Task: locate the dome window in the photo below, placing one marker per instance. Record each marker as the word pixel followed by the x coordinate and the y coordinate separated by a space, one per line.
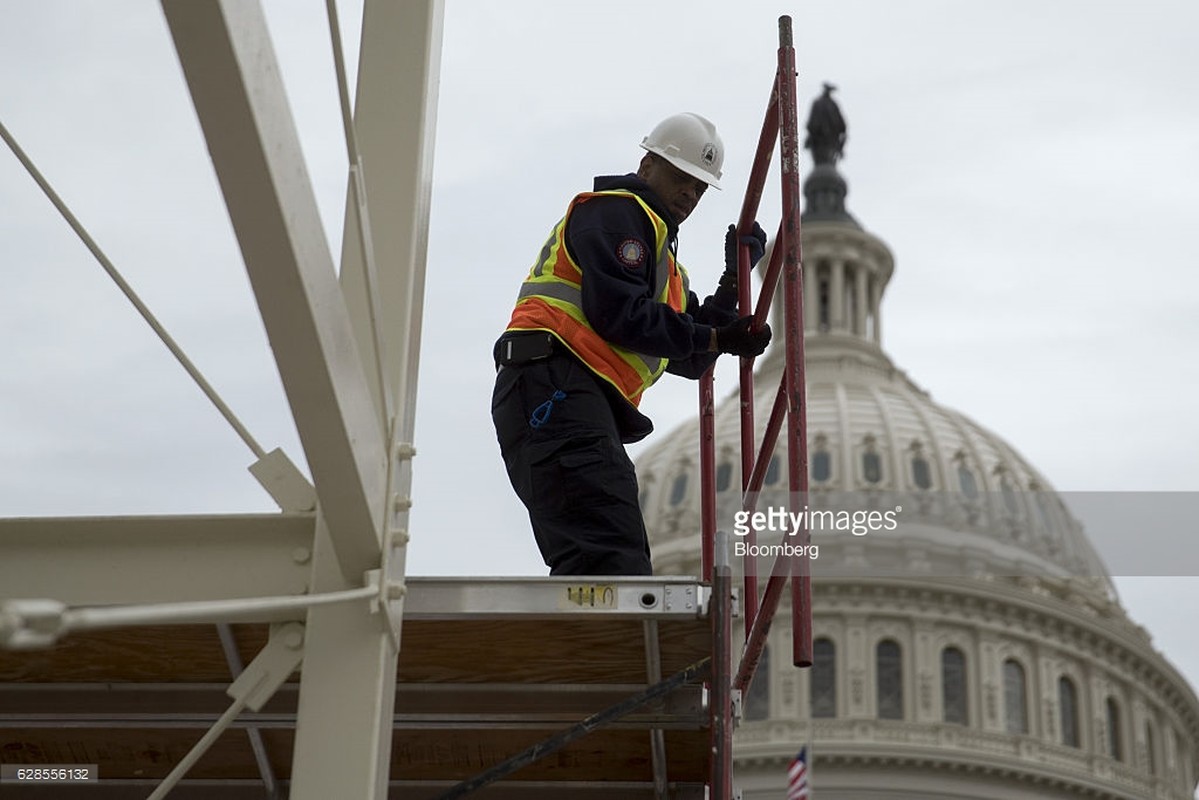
pixel 822 466
pixel 953 686
pixel 823 678
pixel 757 699
pixel 1005 489
pixel 922 474
pixel 1115 743
pixel 822 461
pixel 968 483
pixel 724 476
pixel 1067 700
pixel 966 479
pixel 1042 507
pixel 1015 697
pixel 1009 498
pixel 872 467
pixel 889 675
pixel 678 489
pixel 872 463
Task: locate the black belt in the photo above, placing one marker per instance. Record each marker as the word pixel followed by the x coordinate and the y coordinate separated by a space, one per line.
pixel 522 347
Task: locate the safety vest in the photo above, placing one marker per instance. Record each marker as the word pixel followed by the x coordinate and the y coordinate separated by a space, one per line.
pixel 551 299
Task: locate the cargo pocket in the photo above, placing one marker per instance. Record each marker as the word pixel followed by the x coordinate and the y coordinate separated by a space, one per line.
pixel 568 474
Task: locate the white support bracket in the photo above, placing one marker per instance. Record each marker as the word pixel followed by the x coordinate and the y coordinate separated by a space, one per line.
pixel 284 482
pixel 395 538
pixel 273 665
pixel 257 683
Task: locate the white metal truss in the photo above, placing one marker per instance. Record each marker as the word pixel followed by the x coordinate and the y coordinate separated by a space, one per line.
pixel 346 349
pixel 323 583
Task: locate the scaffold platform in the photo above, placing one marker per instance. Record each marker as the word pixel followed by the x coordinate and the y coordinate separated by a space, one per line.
pixel 489 667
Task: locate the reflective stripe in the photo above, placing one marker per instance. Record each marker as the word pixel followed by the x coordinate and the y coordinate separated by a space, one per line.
pixel 572 299
pixel 556 289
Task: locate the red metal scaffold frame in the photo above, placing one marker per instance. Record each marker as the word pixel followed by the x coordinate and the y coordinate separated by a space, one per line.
pixel 781 124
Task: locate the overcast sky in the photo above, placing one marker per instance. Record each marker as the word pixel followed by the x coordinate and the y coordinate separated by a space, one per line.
pixel 1032 165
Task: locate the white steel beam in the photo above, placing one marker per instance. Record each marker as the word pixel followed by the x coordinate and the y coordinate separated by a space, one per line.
pixel 394 124
pixel 347 696
pixel 228 60
pixel 86 561
pixel 395 114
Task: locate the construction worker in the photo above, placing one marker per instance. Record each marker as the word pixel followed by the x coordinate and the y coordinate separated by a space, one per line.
pixel 604 311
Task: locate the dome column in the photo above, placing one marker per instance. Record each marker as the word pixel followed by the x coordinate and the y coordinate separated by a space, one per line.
pixel 862 310
pixel 925 706
pixel 836 298
pixel 874 309
pixel 811 298
pixel 859 701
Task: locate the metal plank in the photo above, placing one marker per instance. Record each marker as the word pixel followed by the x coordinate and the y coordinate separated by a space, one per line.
pixel 125 560
pixel 529 598
pixel 229 63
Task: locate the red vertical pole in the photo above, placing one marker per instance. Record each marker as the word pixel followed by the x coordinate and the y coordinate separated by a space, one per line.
pixel 782 123
pixel 707 471
pixel 797 450
pixel 745 222
pixel 749 563
pixel 721 727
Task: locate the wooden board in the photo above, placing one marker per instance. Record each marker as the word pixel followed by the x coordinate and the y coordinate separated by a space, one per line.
pixel 533 651
pixel 591 651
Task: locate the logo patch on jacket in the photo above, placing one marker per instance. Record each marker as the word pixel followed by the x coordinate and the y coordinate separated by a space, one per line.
pixel 631 253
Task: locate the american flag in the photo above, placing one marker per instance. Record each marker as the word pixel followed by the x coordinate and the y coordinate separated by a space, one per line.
pixel 797 777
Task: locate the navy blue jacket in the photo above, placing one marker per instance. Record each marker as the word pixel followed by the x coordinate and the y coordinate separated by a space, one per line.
pixel 618 298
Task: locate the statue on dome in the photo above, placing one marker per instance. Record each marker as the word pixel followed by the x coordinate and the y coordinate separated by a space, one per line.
pixel 826 128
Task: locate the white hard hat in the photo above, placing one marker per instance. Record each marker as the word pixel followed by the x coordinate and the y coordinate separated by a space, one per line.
pixel 689 142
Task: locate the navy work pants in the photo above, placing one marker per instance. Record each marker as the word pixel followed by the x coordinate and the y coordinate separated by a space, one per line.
pixel 568 466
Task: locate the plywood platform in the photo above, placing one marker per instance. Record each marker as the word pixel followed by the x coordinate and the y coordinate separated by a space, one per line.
pixel 487 669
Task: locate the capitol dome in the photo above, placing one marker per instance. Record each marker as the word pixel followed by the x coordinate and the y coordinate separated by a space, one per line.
pixel 977 650
pixel 972 505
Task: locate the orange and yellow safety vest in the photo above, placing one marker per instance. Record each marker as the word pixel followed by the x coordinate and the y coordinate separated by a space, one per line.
pixel 551 299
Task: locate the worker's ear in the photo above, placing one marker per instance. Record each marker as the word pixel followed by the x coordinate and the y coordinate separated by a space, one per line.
pixel 646 167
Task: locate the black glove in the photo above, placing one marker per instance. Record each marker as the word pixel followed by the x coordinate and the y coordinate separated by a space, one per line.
pixel 756 239
pixel 738 339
